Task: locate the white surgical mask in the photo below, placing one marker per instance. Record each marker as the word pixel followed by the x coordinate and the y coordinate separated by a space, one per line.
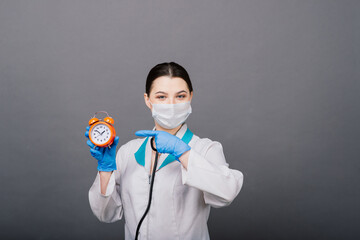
pixel 170 116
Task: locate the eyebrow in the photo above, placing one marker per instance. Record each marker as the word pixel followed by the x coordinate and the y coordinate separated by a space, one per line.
pixel 166 93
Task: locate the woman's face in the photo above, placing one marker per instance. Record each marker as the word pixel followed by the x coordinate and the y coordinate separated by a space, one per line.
pixel 166 90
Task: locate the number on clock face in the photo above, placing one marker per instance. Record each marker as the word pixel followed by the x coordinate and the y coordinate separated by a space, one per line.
pixel 100 134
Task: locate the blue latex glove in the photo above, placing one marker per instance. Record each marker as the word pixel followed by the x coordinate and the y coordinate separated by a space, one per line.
pixel 166 142
pixel 106 156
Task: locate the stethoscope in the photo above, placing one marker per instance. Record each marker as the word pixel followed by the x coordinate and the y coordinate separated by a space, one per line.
pixel 151 184
pixel 151 188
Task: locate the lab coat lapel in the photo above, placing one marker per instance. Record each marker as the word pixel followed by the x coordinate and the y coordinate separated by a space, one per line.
pixel 140 153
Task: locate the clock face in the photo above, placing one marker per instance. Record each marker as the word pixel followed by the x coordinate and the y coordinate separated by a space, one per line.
pixel 100 134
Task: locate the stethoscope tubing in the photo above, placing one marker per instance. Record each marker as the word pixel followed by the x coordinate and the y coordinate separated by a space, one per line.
pixel 151 188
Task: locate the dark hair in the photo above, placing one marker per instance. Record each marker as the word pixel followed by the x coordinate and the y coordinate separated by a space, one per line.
pixel 170 69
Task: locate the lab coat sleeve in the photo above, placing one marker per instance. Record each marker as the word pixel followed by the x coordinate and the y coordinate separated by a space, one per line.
pixel 107 207
pixel 211 174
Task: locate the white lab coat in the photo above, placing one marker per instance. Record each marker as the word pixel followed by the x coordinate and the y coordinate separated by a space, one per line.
pixel 181 198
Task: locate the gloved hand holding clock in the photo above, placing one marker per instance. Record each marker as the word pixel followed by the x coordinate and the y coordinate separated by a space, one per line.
pixel 106 156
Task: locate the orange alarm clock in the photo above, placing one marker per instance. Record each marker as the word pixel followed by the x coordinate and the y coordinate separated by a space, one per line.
pixel 102 131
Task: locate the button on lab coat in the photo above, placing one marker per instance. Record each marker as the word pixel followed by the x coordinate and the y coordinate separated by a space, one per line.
pixel 181 198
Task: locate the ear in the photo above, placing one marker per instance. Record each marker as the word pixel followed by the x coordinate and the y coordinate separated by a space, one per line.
pixel 146 99
pixel 191 95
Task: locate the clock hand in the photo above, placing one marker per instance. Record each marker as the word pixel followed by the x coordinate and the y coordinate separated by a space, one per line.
pixel 102 133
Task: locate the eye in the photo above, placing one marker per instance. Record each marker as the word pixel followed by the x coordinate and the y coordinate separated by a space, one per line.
pixel 160 97
pixel 182 96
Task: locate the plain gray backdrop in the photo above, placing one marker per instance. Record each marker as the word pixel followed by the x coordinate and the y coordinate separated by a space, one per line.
pixel 276 82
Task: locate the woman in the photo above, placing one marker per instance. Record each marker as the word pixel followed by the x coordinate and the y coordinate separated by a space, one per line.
pixel 192 174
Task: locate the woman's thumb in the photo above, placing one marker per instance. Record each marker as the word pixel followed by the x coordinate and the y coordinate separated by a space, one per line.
pixel 116 141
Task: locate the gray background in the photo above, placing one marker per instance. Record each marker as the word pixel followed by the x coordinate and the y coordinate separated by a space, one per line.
pixel 276 82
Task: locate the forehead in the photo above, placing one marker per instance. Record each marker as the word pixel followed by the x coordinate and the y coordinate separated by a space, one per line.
pixel 169 85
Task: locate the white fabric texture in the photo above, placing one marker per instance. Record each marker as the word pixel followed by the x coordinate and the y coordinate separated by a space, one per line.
pixel 181 199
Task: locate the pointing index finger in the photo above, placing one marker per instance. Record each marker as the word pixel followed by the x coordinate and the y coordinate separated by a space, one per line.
pixel 145 133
